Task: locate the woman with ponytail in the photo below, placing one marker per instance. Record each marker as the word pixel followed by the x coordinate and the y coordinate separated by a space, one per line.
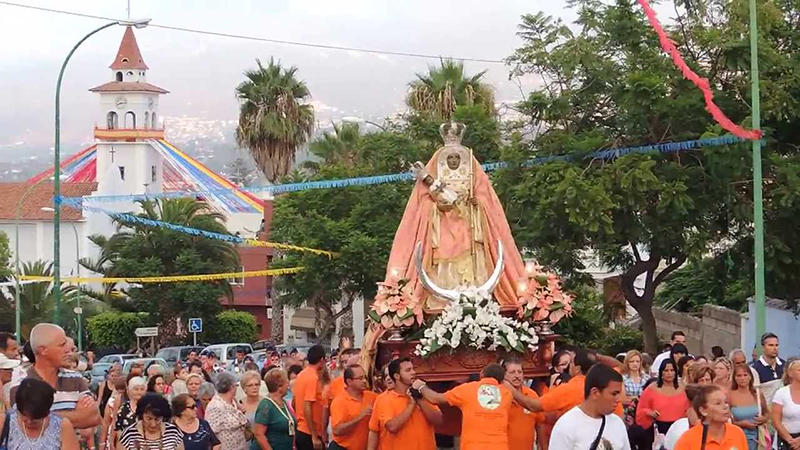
pixel 713 432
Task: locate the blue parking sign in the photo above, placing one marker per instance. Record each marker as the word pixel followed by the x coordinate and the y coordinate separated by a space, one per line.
pixel 196 325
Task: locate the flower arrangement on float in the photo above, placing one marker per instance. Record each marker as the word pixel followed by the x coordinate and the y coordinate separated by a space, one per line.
pixel 475 321
pixel 395 307
pixel 541 296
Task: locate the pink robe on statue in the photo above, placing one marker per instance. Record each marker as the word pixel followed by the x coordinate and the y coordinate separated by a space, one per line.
pixel 455 236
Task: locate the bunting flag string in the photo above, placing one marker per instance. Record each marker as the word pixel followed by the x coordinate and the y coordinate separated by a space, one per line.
pixel 668 147
pixel 130 218
pixel 171 279
pixel 702 83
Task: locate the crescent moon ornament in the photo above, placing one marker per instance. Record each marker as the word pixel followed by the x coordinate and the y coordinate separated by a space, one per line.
pixel 454 294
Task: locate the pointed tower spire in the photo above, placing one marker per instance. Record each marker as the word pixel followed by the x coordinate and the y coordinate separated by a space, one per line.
pixel 128 55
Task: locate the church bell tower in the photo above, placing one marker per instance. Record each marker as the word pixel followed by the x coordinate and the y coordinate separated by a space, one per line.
pixel 128 118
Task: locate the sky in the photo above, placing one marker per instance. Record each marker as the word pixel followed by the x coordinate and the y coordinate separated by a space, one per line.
pixel 201 72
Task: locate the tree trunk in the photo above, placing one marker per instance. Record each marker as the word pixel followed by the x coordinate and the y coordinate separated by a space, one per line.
pixel 277 322
pixel 649 329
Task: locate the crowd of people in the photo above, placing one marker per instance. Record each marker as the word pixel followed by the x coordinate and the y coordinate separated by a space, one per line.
pixel 314 401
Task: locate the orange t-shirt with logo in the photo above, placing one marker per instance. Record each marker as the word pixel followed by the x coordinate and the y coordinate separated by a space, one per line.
pixel 307 387
pixel 733 438
pixel 334 389
pixel 416 434
pixel 568 395
pixel 484 405
pixel 522 423
pixel 345 408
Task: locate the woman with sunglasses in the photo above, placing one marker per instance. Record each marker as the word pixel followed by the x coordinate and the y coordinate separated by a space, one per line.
pixel 197 434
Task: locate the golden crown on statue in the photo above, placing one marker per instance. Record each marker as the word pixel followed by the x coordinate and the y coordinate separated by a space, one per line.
pixel 452 132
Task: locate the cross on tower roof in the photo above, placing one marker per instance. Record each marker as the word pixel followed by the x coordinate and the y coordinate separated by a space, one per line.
pixel 128 55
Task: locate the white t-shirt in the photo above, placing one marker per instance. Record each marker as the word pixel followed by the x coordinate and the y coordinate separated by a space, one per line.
pixel 576 431
pixel 657 364
pixel 675 432
pixel 791 411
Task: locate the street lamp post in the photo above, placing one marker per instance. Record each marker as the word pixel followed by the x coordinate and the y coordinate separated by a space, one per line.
pixel 17 309
pixel 758 208
pixel 78 309
pixel 57 164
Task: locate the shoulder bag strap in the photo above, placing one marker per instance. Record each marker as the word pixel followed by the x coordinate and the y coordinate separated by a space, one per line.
pixel 599 435
pixel 705 436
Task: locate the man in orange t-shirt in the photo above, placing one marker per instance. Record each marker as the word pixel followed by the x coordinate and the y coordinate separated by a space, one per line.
pixel 484 405
pixel 566 396
pixel 307 396
pixel 336 387
pixel 521 422
pixel 350 411
pixel 399 421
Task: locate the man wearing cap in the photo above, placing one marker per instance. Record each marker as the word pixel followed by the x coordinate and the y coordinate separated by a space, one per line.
pixel 7 367
pixel 769 366
pixel 237 365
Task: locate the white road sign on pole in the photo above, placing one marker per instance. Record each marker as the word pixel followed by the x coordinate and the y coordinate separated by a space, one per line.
pixel 146 332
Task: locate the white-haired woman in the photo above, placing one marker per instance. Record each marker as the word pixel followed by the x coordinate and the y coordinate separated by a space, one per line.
pixel 126 416
pixel 251 385
pixel 224 415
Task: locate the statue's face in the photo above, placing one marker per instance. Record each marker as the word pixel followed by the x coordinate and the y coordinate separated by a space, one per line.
pixel 453 161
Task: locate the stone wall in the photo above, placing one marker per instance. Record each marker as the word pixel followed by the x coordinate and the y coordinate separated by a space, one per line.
pixel 716 326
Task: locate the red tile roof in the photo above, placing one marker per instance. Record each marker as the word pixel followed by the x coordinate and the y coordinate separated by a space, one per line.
pixel 39 197
pixel 128 55
pixel 128 86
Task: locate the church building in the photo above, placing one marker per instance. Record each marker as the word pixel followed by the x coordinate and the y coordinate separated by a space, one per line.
pixel 132 156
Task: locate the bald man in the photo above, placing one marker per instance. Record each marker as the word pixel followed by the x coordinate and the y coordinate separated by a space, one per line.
pixel 54 357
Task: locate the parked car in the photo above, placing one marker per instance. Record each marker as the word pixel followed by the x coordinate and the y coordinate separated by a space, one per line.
pixel 301 348
pixel 227 352
pixel 118 358
pixel 174 354
pixel 264 344
pixel 126 369
pixel 98 374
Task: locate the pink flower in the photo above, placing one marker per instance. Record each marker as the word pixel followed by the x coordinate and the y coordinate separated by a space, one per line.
pixel 541 314
pixel 386 322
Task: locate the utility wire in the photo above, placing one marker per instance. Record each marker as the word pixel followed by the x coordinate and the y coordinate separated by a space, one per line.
pixel 261 39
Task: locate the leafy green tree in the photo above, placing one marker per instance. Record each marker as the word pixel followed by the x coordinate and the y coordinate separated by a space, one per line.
pixel 5 257
pixel 609 85
pixel 438 92
pixel 232 326
pixel 273 120
pixel 6 304
pixel 114 329
pixel 137 250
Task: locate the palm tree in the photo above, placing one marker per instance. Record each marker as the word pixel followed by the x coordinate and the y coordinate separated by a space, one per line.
pixel 37 302
pixel 136 246
pixel 273 120
pixel 443 88
pixel 341 146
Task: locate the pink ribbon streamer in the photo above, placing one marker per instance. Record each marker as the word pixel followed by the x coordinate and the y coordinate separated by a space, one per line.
pixel 702 83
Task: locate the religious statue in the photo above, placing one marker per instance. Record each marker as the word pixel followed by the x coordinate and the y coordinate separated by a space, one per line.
pixel 462 231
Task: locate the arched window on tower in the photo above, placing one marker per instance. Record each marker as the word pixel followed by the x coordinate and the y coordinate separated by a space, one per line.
pixel 112 120
pixel 130 120
pixel 154 123
pixel 146 119
pixel 119 76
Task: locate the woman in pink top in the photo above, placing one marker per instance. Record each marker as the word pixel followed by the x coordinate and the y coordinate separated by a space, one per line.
pixel 663 402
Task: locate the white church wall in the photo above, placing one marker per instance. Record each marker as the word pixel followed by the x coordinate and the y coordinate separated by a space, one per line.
pixel 139 160
pixel 36 242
